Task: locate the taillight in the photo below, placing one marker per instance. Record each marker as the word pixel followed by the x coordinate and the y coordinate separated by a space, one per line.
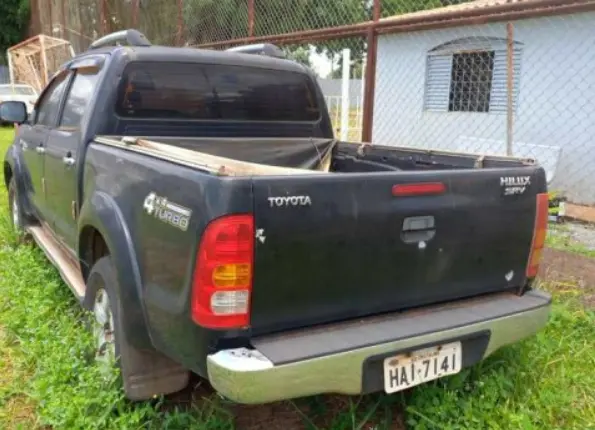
pixel 418 189
pixel 539 234
pixel 222 282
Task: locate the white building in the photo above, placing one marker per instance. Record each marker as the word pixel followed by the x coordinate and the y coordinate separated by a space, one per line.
pixel 447 88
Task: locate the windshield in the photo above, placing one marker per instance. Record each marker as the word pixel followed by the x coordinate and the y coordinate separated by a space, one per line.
pixel 216 92
pixel 7 90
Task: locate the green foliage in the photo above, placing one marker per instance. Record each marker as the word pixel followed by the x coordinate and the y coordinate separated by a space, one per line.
pixel 540 383
pixel 14 18
pixel 300 54
pixel 208 20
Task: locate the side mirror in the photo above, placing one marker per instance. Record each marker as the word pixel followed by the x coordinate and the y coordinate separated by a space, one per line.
pixel 13 111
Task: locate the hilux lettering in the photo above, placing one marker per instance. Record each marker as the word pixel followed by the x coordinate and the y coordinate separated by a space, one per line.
pixel 515 181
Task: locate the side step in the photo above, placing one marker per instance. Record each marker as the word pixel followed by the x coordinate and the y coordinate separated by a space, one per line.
pixel 60 258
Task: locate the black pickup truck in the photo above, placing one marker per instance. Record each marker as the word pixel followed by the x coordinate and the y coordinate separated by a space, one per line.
pixel 198 204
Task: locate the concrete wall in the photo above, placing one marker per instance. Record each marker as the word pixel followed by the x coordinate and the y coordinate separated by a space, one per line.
pixel 332 88
pixel 555 116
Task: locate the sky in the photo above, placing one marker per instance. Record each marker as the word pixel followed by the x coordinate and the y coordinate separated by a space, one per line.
pixel 320 63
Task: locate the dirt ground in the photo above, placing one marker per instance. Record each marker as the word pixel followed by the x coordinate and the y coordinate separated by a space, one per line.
pixel 565 268
pixel 318 412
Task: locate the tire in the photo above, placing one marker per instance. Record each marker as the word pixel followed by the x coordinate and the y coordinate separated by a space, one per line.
pixel 17 215
pixel 144 374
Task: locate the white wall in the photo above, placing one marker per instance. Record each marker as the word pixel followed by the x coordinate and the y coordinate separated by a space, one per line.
pixel 332 88
pixel 556 105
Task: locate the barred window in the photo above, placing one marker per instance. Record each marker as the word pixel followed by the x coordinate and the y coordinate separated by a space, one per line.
pixel 471 82
pixel 470 75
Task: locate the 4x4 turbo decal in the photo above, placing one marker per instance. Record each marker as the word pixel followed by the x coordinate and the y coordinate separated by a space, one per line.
pixel 166 211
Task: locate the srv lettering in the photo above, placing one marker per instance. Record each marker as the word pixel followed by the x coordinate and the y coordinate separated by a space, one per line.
pixel 514 191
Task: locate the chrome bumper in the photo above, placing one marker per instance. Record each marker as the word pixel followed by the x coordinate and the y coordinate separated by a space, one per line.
pixel 248 376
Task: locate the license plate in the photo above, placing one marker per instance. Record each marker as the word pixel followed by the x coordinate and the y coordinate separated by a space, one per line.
pixel 417 367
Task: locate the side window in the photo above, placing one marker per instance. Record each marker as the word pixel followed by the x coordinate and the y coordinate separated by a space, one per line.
pixel 47 110
pixel 79 97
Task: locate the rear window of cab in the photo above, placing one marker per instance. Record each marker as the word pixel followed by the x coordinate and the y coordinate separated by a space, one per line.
pixel 215 92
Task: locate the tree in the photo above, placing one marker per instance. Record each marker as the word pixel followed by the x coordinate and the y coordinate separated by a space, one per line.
pixel 301 54
pixel 13 22
pixel 218 20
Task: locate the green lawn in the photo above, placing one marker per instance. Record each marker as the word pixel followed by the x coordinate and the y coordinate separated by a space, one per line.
pixel 47 379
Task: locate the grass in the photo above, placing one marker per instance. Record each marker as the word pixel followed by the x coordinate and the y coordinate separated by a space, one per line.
pixel 47 379
pixel 560 237
pixel 354 122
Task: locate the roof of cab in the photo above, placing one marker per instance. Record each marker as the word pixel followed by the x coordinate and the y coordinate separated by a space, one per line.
pixel 194 55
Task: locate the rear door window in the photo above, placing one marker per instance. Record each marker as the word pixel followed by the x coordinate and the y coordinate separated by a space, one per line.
pixel 49 106
pixel 79 97
pixel 216 92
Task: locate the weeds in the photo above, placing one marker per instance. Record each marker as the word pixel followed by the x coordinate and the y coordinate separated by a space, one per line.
pixel 561 237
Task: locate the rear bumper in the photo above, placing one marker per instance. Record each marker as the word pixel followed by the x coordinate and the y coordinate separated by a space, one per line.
pixel 333 359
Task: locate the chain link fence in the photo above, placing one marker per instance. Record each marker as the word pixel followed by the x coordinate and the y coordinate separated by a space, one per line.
pixel 524 88
pixel 483 76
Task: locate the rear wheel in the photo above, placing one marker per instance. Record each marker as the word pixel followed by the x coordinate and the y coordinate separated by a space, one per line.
pixel 143 373
pixel 103 332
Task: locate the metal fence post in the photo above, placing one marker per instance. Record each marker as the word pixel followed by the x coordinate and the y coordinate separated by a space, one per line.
pixel 135 9
pixel 370 76
pixel 510 87
pixel 345 102
pixel 103 16
pixel 250 18
pixel 180 31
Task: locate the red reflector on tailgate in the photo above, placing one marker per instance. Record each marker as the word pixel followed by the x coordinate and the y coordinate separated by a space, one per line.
pixel 539 234
pixel 418 189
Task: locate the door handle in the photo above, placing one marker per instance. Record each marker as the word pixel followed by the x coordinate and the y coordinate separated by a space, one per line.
pixel 68 161
pixel 40 149
pixel 418 229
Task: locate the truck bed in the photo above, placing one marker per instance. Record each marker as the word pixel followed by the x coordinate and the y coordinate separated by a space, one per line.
pixel 376 229
pixel 295 156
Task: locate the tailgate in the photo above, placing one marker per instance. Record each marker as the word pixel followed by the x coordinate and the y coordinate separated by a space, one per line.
pixel 343 246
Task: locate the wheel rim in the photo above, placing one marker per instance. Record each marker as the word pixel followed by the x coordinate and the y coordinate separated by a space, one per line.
pixel 16 219
pixel 105 354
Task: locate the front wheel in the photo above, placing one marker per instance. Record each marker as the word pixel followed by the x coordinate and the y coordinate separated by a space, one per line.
pixel 17 217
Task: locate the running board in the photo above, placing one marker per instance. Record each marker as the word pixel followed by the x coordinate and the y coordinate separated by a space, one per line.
pixel 68 268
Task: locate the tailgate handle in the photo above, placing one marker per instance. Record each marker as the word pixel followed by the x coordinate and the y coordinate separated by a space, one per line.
pixel 418 229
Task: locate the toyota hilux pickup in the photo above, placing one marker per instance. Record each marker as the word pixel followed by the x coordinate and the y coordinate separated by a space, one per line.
pixel 198 205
